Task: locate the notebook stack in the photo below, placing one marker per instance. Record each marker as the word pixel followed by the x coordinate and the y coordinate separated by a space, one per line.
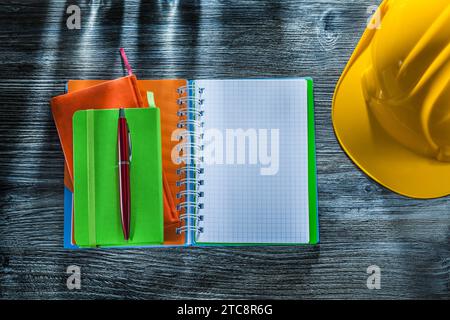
pixel 212 162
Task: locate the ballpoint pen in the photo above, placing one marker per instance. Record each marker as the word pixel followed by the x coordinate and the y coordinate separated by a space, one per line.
pixel 124 150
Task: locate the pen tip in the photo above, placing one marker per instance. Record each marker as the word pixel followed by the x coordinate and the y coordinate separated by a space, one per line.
pixel 121 113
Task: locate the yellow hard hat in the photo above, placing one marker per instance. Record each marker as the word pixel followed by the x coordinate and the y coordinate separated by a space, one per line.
pixel 391 107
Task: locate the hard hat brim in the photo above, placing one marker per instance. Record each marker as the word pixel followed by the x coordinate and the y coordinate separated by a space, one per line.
pixel 371 148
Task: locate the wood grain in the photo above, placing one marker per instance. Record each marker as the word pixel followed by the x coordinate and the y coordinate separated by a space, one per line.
pixel 362 224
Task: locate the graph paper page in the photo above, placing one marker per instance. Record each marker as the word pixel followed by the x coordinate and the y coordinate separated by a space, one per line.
pixel 256 191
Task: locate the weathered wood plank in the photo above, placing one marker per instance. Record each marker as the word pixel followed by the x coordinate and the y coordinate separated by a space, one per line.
pixel 361 223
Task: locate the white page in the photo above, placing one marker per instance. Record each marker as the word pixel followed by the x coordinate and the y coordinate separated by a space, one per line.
pixel 241 205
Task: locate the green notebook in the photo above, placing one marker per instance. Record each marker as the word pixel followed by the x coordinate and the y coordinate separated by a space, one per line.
pixel 96 190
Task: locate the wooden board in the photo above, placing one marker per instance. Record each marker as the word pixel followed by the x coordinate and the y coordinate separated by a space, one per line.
pixel 362 224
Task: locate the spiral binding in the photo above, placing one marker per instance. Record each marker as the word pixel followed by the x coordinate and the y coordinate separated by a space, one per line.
pixel 190 149
pixel 186 134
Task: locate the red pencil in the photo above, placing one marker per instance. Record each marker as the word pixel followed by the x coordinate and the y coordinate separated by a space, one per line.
pixel 124 149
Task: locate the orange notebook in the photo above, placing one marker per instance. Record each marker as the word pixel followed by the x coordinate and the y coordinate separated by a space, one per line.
pixel 166 96
pixel 122 92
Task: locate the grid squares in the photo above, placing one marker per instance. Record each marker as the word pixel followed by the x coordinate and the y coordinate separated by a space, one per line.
pixel 241 205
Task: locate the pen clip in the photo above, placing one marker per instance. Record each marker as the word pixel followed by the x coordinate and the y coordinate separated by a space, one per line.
pixel 129 145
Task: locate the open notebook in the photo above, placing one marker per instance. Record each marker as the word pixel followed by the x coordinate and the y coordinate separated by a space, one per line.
pixel 257 162
pixel 240 160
